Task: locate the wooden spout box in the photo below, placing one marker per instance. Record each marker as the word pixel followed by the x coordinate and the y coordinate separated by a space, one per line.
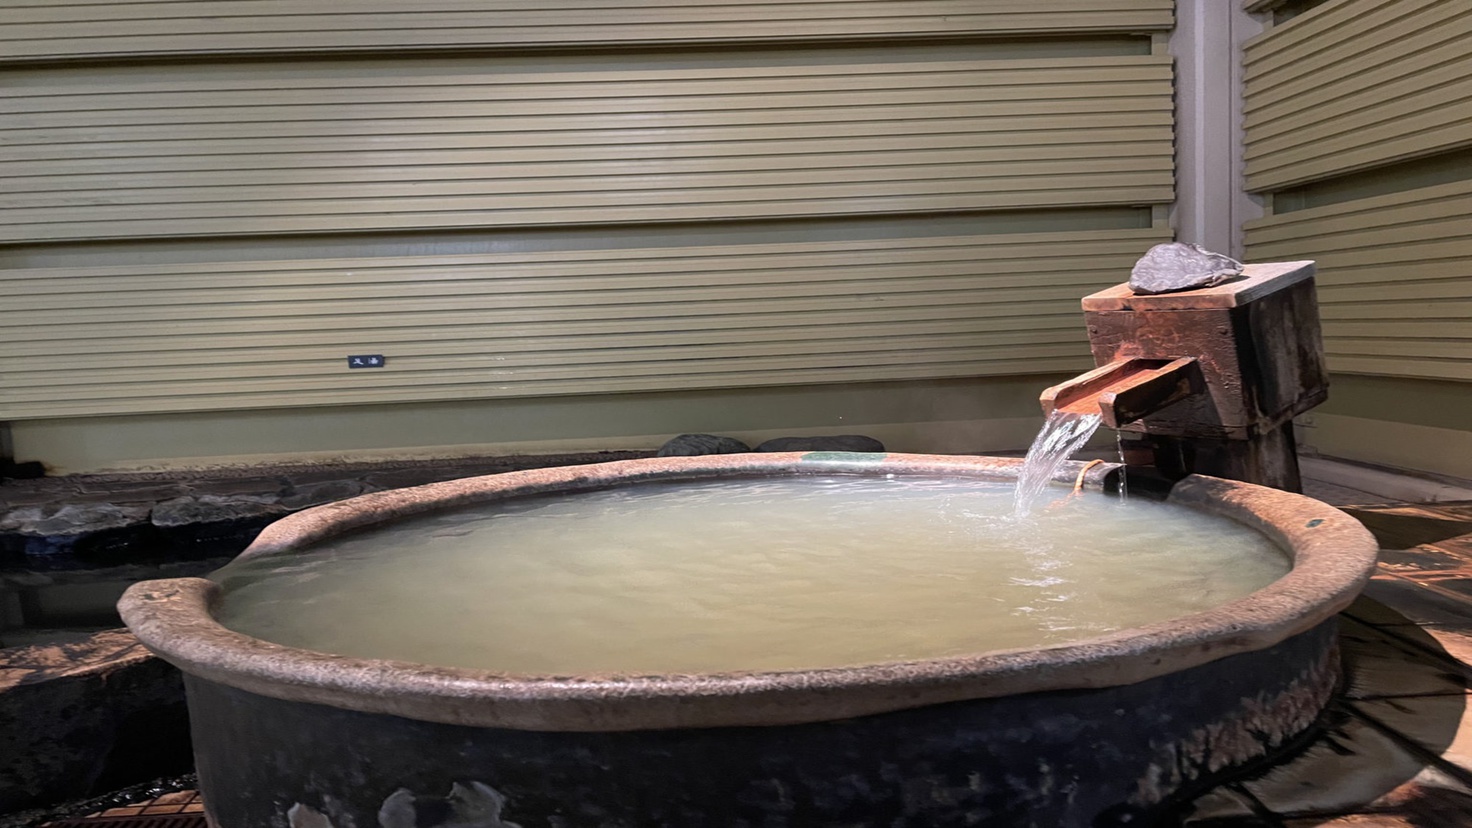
pixel 1257 341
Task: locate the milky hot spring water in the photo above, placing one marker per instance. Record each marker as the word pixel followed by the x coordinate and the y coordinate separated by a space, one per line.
pixel 776 574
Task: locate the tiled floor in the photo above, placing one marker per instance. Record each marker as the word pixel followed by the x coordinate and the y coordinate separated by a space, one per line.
pixel 180 809
pixel 182 802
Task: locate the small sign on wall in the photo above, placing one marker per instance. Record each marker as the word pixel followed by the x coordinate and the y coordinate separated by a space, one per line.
pixel 366 361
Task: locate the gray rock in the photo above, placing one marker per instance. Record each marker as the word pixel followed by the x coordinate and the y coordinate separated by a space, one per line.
pixel 183 511
pixel 841 442
pixel 71 518
pixel 231 486
pixel 689 445
pixel 315 494
pixel 1178 266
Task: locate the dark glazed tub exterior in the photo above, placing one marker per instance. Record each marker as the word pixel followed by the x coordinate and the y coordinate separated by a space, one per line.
pixel 1101 732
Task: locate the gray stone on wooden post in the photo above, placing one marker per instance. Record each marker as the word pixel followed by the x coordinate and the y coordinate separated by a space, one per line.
pixel 1166 268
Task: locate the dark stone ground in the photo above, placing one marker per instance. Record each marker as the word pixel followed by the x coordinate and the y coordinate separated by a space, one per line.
pixel 89 520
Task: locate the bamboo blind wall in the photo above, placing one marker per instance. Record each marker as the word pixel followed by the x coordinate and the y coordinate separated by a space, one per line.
pixel 1356 84
pixel 153 157
pixel 1395 287
pixel 295 147
pixel 1351 88
pixel 51 29
pixel 273 333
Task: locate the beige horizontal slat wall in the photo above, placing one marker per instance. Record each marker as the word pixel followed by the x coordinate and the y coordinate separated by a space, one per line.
pixel 1359 137
pixel 56 29
pixel 608 198
pixel 1395 278
pixel 128 339
pixel 469 146
pixel 1354 84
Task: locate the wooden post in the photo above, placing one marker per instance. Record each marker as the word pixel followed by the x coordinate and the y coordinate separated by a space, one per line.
pixel 1256 345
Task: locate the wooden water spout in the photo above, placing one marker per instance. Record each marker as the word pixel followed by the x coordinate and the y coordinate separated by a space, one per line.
pixel 1127 389
pixel 1206 381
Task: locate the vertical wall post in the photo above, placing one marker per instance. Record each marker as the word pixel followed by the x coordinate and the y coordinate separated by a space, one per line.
pixel 8 466
pixel 1211 204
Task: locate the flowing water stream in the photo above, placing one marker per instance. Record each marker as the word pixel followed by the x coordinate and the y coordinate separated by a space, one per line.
pixel 1061 436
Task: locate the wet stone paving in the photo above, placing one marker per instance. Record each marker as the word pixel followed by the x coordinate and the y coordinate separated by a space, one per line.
pixel 1394 750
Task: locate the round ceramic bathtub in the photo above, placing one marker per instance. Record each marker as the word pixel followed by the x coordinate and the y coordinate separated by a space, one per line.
pixel 1112 730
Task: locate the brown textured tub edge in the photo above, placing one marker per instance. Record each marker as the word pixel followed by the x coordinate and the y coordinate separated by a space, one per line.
pixel 1333 558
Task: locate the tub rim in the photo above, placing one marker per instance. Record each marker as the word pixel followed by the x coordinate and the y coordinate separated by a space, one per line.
pixel 1333 557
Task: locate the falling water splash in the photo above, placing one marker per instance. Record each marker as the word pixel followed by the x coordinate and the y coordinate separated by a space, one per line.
pixel 1062 435
pixel 1124 483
